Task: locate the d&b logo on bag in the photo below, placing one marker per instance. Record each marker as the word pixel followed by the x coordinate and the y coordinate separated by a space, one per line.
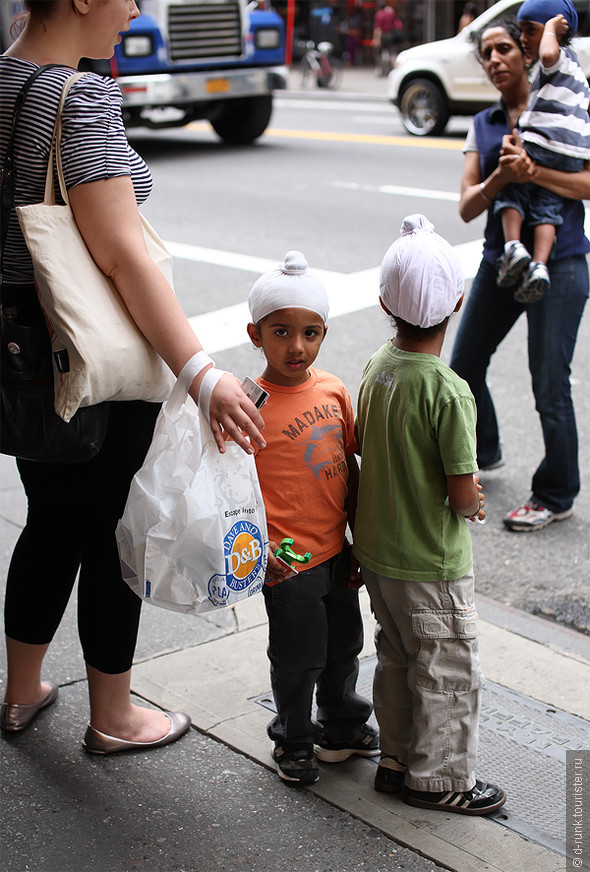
pixel 243 551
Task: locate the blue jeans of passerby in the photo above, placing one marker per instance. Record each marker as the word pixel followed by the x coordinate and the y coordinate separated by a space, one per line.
pixel 553 322
pixel 315 637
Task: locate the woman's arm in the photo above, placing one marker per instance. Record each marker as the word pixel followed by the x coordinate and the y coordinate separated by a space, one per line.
pixel 574 186
pixel 107 216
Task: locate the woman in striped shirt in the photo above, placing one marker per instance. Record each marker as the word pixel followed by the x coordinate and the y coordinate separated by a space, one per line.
pixel 73 509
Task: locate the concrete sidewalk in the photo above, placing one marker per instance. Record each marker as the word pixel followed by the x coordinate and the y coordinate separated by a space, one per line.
pixel 356 82
pixel 224 686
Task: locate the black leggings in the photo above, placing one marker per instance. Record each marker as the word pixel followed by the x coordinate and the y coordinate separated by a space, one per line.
pixel 73 510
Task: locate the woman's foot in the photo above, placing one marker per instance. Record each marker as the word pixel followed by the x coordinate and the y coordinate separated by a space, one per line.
pixel 97 742
pixel 15 717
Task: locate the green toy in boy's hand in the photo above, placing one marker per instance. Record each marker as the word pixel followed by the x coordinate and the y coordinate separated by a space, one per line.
pixel 285 552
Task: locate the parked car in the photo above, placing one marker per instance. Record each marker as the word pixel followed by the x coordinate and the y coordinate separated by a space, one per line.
pixel 433 81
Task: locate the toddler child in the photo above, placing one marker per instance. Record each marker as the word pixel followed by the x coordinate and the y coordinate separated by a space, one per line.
pixel 416 432
pixel 555 131
pixel 308 474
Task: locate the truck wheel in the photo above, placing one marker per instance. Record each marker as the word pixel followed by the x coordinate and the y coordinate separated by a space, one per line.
pixel 423 108
pixel 242 120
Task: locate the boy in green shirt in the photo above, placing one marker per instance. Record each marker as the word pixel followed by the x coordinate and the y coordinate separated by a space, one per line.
pixel 416 433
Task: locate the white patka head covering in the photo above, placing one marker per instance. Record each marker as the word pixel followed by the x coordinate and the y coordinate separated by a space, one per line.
pixel 291 285
pixel 421 279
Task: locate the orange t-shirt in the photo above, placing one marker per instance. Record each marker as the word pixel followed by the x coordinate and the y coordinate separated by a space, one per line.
pixel 309 431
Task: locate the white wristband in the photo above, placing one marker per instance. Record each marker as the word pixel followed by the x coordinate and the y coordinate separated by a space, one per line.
pixel 193 367
pixel 208 383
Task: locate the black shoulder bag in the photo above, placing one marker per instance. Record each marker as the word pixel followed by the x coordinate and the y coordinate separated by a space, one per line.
pixel 29 426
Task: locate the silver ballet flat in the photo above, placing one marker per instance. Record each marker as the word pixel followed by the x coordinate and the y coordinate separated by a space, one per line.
pixel 15 717
pixel 96 742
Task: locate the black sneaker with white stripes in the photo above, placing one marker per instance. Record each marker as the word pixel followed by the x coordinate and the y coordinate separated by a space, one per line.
pixel 484 798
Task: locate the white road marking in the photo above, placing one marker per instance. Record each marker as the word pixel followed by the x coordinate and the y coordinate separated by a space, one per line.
pixel 398 190
pixel 226 328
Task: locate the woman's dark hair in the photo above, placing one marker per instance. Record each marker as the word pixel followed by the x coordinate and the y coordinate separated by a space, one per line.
pixel 509 24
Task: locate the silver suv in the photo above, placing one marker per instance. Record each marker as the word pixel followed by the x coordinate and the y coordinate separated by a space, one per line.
pixel 431 82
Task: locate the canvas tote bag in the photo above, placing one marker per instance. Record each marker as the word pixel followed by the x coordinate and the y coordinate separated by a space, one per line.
pixel 99 353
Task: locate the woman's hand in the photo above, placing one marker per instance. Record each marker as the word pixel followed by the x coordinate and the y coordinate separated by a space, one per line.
pixel 232 414
pixel 511 143
pixel 514 164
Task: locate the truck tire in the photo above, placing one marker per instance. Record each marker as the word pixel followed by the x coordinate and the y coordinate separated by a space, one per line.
pixel 242 120
pixel 423 108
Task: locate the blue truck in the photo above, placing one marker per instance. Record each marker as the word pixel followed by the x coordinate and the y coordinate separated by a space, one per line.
pixel 183 60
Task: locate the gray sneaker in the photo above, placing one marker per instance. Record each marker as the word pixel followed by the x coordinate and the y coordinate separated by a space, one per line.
pixel 364 743
pixel 512 264
pixel 296 762
pixel 535 281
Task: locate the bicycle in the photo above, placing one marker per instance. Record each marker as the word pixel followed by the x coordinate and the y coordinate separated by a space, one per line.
pixel 321 63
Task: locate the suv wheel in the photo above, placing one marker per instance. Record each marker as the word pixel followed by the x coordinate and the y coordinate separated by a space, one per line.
pixel 423 108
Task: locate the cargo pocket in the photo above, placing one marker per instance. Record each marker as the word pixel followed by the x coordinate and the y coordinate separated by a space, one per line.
pixel 448 657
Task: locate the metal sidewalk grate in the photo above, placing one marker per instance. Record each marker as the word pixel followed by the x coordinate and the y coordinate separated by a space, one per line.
pixel 522 748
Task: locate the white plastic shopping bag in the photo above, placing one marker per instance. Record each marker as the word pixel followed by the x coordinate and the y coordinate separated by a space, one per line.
pixel 193 535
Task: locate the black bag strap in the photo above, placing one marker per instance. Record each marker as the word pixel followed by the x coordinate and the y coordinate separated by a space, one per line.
pixel 8 174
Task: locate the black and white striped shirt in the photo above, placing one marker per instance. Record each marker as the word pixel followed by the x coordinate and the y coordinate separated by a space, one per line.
pixel 94 144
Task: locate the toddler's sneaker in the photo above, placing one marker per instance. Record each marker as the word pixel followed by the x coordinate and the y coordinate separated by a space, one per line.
pixel 390 775
pixel 296 762
pixel 482 799
pixel 533 516
pixel 512 264
pixel 535 281
pixel 364 743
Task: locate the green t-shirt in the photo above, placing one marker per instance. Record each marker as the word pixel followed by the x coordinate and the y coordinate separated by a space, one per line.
pixel 416 425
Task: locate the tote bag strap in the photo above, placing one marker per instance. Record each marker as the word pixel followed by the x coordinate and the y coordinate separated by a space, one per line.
pixel 189 371
pixel 8 173
pixel 56 144
pixel 192 368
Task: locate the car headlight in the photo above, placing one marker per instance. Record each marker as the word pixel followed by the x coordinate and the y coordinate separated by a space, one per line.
pixel 138 46
pixel 267 37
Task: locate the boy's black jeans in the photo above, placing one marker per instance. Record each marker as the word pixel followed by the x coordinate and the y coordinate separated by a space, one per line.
pixel 315 637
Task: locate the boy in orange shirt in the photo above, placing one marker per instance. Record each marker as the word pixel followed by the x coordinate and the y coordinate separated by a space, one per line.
pixel 309 476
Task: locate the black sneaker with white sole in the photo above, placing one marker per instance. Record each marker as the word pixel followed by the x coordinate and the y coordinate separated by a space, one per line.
pixel 363 743
pixel 296 762
pixel 483 798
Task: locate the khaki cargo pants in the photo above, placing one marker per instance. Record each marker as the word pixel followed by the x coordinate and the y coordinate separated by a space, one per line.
pixel 428 679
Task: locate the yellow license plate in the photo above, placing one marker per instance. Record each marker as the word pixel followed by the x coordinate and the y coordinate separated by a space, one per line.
pixel 218 86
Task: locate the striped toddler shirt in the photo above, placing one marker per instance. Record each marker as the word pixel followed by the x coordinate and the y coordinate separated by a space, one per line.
pixel 556 117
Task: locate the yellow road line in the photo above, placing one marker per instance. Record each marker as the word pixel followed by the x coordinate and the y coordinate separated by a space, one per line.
pixel 361 138
pixel 367 138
